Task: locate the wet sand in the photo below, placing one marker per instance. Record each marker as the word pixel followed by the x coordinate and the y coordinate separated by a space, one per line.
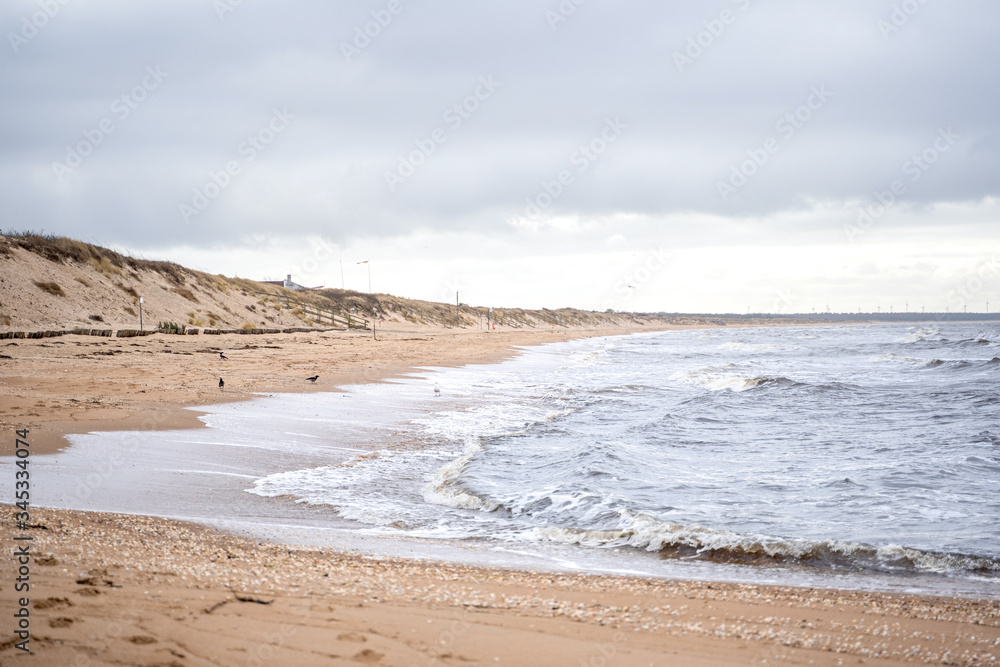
pixel 79 384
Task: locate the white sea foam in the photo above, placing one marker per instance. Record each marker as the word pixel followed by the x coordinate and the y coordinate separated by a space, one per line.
pixel 446 489
pixel 740 346
pixel 718 378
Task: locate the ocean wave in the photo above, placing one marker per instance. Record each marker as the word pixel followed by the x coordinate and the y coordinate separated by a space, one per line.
pixel 932 363
pixel 924 335
pixel 740 346
pixel 446 487
pixel 672 540
pixel 553 415
pixel 934 337
pixel 987 438
pixel 718 378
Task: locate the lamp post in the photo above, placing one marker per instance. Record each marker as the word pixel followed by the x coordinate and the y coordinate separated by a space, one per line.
pixel 369 275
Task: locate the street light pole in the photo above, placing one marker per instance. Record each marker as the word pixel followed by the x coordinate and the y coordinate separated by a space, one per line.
pixel 369 274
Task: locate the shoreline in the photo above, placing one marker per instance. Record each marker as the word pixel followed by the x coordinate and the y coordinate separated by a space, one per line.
pixel 112 401
pixel 184 594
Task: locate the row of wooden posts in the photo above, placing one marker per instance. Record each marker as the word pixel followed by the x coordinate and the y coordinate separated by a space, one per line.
pixel 132 333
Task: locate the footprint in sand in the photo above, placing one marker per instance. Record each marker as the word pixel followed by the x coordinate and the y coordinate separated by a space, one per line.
pixel 142 639
pixel 351 637
pixel 368 655
pixel 53 603
pixel 60 622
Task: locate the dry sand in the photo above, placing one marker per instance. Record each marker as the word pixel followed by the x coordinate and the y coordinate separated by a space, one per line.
pixel 112 589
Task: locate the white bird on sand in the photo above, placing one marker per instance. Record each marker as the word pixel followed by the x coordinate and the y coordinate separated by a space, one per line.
pixel 437 390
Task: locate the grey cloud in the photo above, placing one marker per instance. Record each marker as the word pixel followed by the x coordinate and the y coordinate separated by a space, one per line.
pixel 326 173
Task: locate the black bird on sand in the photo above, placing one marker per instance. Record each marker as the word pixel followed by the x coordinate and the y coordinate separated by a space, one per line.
pixel 313 378
pixel 221 383
pixel 222 356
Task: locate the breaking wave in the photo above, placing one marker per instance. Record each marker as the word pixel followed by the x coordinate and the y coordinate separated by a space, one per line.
pixel 671 540
pixel 717 378
pixel 446 487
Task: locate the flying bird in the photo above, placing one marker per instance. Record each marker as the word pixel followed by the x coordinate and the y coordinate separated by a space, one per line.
pixel 221 383
pixel 313 378
pixel 222 356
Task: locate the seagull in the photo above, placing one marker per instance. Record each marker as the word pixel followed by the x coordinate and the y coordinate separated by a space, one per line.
pixel 437 390
pixel 221 383
pixel 222 356
pixel 313 378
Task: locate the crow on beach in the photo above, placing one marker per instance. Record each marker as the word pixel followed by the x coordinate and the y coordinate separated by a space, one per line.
pixel 313 378
pixel 222 356
pixel 221 383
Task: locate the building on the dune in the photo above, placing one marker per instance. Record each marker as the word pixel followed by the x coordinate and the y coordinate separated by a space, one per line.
pixel 289 284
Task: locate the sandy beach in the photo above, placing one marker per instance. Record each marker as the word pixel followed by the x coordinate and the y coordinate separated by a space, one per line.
pixel 118 589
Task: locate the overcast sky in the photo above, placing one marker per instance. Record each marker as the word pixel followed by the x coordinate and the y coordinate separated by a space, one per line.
pixel 677 156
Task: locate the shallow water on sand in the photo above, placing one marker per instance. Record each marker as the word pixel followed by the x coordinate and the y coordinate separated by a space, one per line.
pixel 855 457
